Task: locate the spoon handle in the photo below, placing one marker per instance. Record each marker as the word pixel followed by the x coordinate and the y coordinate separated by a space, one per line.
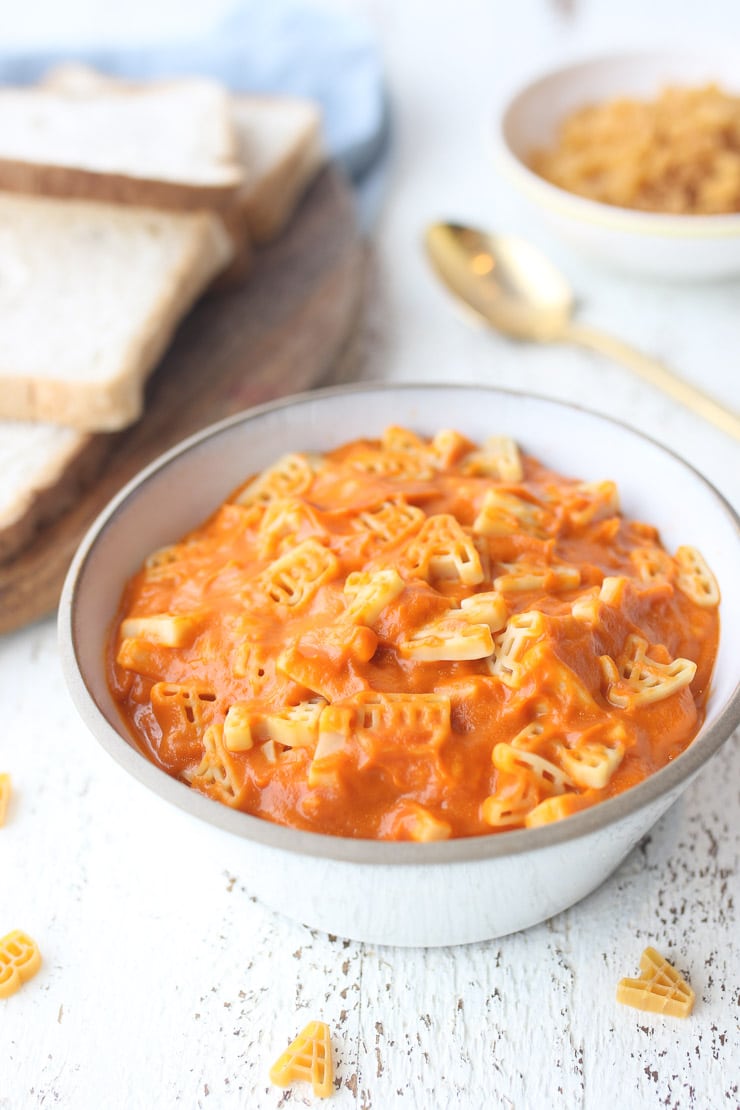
pixel 657 374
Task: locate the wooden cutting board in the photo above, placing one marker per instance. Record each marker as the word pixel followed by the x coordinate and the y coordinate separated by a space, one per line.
pixel 277 333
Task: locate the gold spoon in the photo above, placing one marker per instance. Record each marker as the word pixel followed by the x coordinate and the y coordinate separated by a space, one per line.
pixel 516 289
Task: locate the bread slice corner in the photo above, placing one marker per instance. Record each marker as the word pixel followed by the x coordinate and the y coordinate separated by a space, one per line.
pixel 281 148
pixel 42 468
pixel 80 135
pixel 90 296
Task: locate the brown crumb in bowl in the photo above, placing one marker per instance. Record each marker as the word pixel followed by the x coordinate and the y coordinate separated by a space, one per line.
pixel 679 153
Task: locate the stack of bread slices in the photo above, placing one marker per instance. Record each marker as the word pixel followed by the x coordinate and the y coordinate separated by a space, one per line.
pixel 120 205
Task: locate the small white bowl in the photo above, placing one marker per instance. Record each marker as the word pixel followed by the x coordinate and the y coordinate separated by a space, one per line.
pixel 653 244
pixel 448 892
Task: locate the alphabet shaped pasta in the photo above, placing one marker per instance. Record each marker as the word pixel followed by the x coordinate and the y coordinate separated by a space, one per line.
pixel 509 806
pixel 217 773
pixel 283 520
pixel 185 706
pixel 522 631
pixel 529 737
pixel 322 658
pixel 506 514
pixel 409 723
pixel 290 476
pixel 555 808
pixel 370 591
pixel 5 792
pixel 256 664
pixel 449 446
pixel 165 564
pixel 395 438
pixel 162 557
pixel 335 725
pixel 412 821
pixel 294 578
pixel 307 1058
pixel 442 550
pixel 447 638
pixel 659 990
pixel 548 777
pixel 389 522
pixel 591 764
pixel 652 564
pixel 460 633
pixel 485 608
pixel 637 679
pixel 593 501
pixel 695 578
pixel 520 577
pixel 295 726
pixel 586 608
pixel 612 589
pixel 167 629
pixel 140 657
pixel 498 458
pixel 420 721
pixel 20 959
pixel 392 463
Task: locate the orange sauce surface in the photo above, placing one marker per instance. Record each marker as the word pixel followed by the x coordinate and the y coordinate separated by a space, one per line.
pixel 415 639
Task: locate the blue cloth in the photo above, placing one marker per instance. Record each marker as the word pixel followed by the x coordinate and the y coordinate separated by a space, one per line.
pixel 269 46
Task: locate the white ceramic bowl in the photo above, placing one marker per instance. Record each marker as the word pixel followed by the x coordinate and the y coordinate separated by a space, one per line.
pixel 653 244
pixel 406 893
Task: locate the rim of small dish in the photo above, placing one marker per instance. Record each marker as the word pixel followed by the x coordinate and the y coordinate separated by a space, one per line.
pixel 612 217
pixel 460 850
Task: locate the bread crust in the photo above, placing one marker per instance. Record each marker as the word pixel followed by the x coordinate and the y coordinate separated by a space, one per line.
pixel 55 487
pixel 74 183
pixel 78 85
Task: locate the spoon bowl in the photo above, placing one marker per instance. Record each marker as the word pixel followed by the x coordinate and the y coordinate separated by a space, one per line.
pixel 507 282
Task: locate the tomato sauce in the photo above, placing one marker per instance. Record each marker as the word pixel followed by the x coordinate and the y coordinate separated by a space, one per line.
pixel 413 638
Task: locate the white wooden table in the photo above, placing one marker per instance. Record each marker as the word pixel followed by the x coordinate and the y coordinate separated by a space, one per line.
pixel 164 983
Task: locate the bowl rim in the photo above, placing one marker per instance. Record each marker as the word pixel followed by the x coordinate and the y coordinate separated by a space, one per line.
pixel 472 849
pixel 611 216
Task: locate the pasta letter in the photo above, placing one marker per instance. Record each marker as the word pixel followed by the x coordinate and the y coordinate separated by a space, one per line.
pixel 659 990
pixel 308 1058
pixel 20 959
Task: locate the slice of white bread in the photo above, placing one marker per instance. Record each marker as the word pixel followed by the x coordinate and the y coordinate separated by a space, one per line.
pixel 167 143
pixel 90 295
pixel 281 148
pixel 279 145
pixel 41 468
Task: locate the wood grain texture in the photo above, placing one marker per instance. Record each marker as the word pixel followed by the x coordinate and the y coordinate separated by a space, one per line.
pixel 277 333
